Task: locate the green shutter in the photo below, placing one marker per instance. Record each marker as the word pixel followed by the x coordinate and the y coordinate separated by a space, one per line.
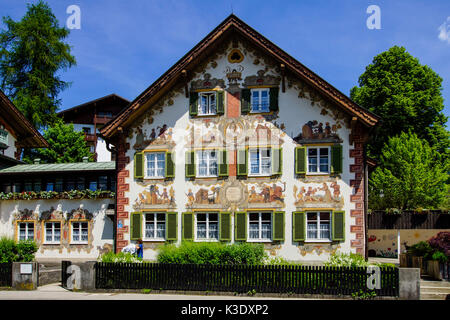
pixel 135 225
pixel 338 223
pixel 171 226
pixel 245 101
pixel 278 226
pixel 223 163
pixel 242 158
pixel 190 164
pixel 188 226
pixel 273 97
pixel 193 103
pixel 336 159
pixel 277 161
pixel 220 102
pixel 299 226
pixel 240 222
pixel 300 160
pixel 225 226
pixel 170 165
pixel 138 165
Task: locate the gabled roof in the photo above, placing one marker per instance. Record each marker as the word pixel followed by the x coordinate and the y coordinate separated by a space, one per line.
pixel 27 135
pixel 88 104
pixel 233 24
pixel 59 167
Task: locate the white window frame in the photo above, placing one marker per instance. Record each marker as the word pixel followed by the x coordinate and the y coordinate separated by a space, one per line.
pixel 147 160
pixel 72 241
pixel 318 172
pixel 259 239
pixel 53 241
pixel 209 159
pixel 259 90
pixel 308 239
pixel 207 239
pixel 155 226
pixel 209 94
pixel 26 230
pixel 259 150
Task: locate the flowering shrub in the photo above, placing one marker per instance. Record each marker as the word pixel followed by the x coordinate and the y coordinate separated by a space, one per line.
pixel 441 242
pixel 119 257
pixel 72 194
pixel 346 260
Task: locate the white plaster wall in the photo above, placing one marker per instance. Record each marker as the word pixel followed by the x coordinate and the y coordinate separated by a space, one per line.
pixel 12 146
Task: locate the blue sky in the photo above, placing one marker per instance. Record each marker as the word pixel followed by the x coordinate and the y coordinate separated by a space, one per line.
pixel 124 46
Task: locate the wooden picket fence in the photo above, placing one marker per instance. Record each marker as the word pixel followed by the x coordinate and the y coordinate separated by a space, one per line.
pixel 289 279
pixel 5 274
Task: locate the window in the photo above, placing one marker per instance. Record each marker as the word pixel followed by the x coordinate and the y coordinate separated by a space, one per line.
pixel 318 226
pixel 80 232
pixel 259 226
pixel 260 162
pixel 50 186
pixel 26 230
pixel 103 182
pixel 260 101
pixel 52 232
pixel 156 163
pixel 319 160
pixel 207 163
pixel 155 226
pixel 81 181
pixel 207 103
pixel 207 226
pixel 59 185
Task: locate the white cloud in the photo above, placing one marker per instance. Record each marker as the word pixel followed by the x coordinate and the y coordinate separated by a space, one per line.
pixel 444 31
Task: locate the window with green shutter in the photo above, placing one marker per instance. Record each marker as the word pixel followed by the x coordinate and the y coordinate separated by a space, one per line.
pixel 300 160
pixel 223 163
pixel 240 224
pixel 190 164
pixel 299 226
pixel 171 226
pixel 273 96
pixel 242 162
pixel 278 226
pixel 188 226
pixel 338 223
pixel 245 101
pixel 220 100
pixel 277 161
pixel 135 225
pixel 170 165
pixel 336 159
pixel 225 226
pixel 193 103
pixel 138 165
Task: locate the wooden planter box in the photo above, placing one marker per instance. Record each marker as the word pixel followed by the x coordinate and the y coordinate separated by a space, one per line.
pixel 438 270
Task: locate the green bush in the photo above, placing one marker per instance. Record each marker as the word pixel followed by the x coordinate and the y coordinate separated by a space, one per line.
pixel 421 249
pixel 212 253
pixel 439 256
pixel 346 260
pixel 11 251
pixel 125 257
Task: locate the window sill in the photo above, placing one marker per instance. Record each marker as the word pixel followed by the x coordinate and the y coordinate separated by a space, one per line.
pixel 51 243
pixel 153 240
pixel 260 240
pixel 206 177
pixel 78 243
pixel 206 240
pixel 318 241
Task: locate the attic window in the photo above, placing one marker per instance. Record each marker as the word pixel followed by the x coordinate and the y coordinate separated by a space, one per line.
pixel 235 56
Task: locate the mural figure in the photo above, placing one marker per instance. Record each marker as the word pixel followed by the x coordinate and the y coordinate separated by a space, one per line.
pixel 151 196
pixel 164 137
pixel 204 196
pixel 267 194
pixel 321 194
pixel 314 130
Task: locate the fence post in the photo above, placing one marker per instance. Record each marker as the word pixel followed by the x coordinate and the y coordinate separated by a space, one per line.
pixel 25 275
pixel 409 281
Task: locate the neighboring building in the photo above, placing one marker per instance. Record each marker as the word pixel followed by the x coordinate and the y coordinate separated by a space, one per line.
pixel 67 208
pixel 16 133
pixel 90 117
pixel 238 141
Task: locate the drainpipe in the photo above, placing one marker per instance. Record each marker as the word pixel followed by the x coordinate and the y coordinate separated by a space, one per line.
pixel 113 149
pixel 366 202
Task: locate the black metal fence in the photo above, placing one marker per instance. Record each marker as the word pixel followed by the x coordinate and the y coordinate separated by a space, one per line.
pixel 409 220
pixel 292 279
pixel 64 274
pixel 5 274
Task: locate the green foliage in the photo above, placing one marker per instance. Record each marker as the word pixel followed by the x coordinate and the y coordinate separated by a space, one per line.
pixel 125 257
pixel 72 194
pixel 21 251
pixel 407 96
pixel 32 53
pixel 410 175
pixel 439 256
pixel 364 295
pixel 279 261
pixel 65 145
pixel 346 260
pixel 212 253
pixel 421 249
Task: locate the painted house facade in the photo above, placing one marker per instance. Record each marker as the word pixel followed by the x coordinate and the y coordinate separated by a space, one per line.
pixel 236 142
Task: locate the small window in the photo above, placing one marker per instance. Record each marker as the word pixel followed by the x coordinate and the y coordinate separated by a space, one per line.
pixel 207 103
pixel 318 226
pixel 26 230
pixel 81 183
pixel 259 226
pixel 70 184
pixel 50 186
pixel 207 163
pixel 260 101
pixel 52 232
pixel 156 163
pixel 17 186
pixel 37 185
pixel 319 160
pixel 59 185
pixel 93 184
pixel 207 226
pixel 103 182
pixel 80 232
pixel 155 226
pixel 260 162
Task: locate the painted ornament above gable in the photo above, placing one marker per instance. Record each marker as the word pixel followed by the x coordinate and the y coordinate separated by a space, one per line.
pixel 261 79
pixel 207 83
